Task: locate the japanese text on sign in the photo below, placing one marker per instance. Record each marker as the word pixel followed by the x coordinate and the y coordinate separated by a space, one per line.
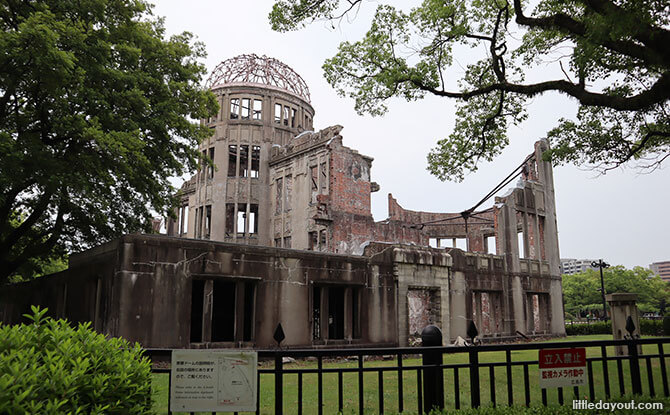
pixel 562 367
pixel 207 380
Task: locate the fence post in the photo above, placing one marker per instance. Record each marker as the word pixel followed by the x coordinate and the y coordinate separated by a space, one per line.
pixel 474 366
pixel 433 382
pixel 279 384
pixel 474 379
pixel 634 358
pixel 279 336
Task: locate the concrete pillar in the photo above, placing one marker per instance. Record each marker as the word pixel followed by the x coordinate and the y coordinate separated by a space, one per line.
pixel 622 305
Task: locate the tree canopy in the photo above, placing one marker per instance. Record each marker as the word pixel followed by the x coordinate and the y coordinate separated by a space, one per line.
pixel 95 116
pixel 581 292
pixel 613 57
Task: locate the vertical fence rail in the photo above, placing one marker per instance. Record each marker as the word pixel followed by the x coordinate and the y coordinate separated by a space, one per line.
pixel 475 399
pixel 430 372
pixel 606 376
pixel 492 384
pixel 664 374
pixel 279 384
pixel 401 406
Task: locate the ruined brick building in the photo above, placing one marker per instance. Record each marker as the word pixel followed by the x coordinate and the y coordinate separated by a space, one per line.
pixel 236 262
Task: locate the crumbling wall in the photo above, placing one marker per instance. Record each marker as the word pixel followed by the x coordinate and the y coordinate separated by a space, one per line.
pixel 444 229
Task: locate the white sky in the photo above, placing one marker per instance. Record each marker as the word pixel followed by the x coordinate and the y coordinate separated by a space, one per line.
pixel 620 217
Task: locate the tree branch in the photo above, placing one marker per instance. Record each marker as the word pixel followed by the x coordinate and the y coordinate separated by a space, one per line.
pixel 658 93
pixel 38 210
pixel 655 54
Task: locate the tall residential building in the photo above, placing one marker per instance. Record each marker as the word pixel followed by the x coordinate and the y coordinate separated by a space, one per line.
pixel 571 266
pixel 662 269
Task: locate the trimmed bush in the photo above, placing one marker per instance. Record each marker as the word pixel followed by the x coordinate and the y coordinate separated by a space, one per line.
pixel 48 367
pixel 651 327
pixel 582 329
pixel 647 328
pixel 666 325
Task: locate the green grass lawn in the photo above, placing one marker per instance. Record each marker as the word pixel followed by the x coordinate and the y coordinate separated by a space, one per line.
pixel 390 383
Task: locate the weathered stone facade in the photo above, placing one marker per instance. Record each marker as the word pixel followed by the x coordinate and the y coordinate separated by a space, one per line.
pixel 225 276
pixel 175 292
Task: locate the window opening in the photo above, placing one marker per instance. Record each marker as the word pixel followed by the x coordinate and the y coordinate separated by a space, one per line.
pixel 278 196
pixel 197 296
pixel 234 108
pixel 183 220
pixel 293 117
pixel 232 160
pixel 199 222
pixel 433 242
pixel 313 240
pixel 241 218
pixel 244 160
pixel 258 109
pixel 287 242
pixel 323 179
pixel 278 242
pixel 316 313
pixel 288 183
pixel 255 161
pixel 323 240
pixel 253 218
pixel 208 221
pixel 315 178
pixel 461 243
pixel 491 244
pixel 230 218
pixel 246 108
pixel 277 113
pixel 336 313
pixel 223 311
pixel 520 239
pixel 286 112
pixel 210 168
pixel 202 168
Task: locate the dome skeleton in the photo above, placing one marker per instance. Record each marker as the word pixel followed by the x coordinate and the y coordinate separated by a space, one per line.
pixel 261 70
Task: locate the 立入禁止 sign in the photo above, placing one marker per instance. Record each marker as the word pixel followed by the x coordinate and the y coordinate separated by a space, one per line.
pixel 213 380
pixel 562 367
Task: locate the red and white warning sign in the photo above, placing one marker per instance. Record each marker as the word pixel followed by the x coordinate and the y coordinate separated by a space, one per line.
pixel 562 367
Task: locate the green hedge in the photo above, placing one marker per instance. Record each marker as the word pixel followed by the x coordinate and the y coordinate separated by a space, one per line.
pixel 647 328
pixel 48 367
pixel 581 329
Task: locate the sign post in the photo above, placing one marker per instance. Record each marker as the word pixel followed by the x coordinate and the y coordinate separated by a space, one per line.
pixel 213 381
pixel 562 367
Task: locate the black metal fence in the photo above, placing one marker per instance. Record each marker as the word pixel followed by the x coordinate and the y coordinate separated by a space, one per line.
pixel 406 382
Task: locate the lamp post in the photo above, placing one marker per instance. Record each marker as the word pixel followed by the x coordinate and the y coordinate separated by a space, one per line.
pixel 602 264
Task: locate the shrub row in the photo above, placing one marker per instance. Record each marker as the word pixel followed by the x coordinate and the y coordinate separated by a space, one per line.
pixel 647 328
pixel 48 367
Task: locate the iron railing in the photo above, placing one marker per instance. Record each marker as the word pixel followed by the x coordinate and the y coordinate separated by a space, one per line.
pixel 418 378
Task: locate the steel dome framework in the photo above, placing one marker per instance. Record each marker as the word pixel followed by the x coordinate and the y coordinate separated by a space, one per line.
pixel 263 70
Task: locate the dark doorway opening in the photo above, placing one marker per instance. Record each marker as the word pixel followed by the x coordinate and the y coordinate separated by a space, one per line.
pixel 223 312
pixel 336 313
pixel 248 311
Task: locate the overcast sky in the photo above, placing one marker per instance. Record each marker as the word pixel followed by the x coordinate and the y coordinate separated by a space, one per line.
pixel 621 217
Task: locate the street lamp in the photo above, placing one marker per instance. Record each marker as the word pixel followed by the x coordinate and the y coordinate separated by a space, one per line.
pixel 602 264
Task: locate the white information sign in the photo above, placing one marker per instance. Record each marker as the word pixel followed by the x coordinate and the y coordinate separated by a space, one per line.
pixel 213 380
pixel 562 367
